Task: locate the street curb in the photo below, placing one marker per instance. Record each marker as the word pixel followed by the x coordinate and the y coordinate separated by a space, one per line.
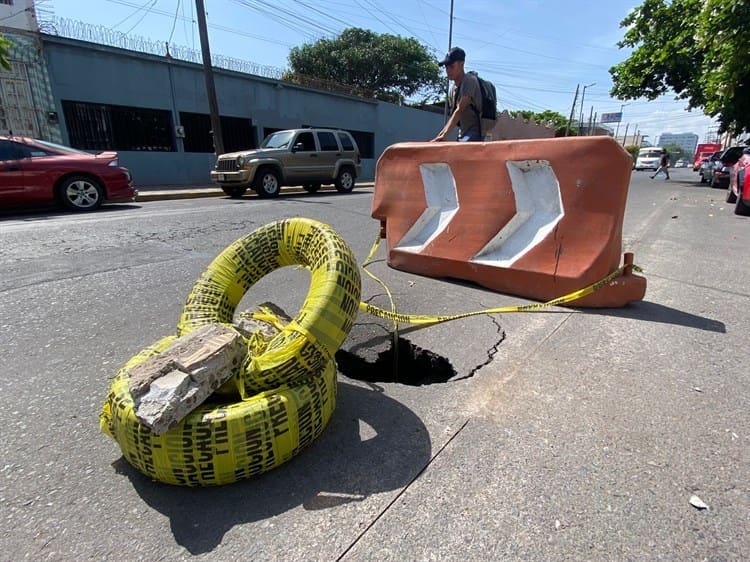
pixel 196 193
pixel 177 194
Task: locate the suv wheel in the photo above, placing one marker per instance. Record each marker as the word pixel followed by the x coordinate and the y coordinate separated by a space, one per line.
pixel 234 190
pixel 345 180
pixel 311 187
pixel 267 183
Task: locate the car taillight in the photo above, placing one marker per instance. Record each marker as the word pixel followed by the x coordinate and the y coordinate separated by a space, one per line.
pixel 359 158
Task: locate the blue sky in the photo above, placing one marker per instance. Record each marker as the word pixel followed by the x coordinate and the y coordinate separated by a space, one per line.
pixel 535 51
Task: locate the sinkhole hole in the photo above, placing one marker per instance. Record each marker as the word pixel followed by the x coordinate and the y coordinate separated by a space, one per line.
pixel 403 363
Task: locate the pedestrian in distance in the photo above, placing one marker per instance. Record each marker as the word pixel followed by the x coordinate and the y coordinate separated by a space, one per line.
pixel 465 97
pixel 663 164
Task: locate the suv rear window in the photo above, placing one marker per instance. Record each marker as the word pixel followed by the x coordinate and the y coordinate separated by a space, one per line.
pixel 327 141
pixel 346 141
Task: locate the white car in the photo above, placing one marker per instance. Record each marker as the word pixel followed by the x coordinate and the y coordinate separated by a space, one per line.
pixel 648 158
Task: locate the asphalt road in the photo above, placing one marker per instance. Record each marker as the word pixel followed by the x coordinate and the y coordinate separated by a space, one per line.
pixel 557 435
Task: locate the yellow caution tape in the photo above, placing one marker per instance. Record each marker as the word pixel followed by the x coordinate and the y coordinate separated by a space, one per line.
pixel 425 319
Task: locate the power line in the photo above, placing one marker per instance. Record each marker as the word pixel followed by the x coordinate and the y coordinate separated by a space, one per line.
pixel 138 9
pixel 148 10
pixel 174 22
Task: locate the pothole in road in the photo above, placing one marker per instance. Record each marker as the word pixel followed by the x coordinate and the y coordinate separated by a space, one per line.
pixel 403 363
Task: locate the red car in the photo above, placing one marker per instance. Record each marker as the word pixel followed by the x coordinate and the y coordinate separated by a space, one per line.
pixel 739 185
pixel 35 172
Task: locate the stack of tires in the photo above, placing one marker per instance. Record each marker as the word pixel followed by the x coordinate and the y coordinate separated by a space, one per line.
pixel 285 392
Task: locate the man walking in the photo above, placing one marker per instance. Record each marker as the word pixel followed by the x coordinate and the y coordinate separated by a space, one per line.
pixel 663 164
pixel 465 96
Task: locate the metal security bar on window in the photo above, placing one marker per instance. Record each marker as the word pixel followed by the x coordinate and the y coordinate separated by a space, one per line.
pixel 238 133
pixel 94 126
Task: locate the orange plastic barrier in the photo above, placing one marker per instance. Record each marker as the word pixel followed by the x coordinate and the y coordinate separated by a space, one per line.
pixel 535 218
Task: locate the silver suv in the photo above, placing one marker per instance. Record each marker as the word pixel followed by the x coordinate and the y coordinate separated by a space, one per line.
pixel 306 157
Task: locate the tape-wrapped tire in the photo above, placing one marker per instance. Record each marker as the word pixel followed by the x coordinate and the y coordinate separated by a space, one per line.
pixel 221 443
pixel 308 342
pixel 288 391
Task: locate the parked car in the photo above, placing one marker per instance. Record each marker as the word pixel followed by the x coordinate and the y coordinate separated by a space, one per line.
pixel 680 164
pixel 306 157
pixel 648 158
pixel 706 171
pixel 722 168
pixel 35 172
pixel 738 191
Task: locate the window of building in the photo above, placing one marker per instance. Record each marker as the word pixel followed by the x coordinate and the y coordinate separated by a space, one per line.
pixel 365 142
pixel 93 126
pixel 238 133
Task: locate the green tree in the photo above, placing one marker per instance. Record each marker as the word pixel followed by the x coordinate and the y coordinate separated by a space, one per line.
pixel 699 49
pixel 4 52
pixel 633 149
pixel 546 117
pixel 675 152
pixel 382 65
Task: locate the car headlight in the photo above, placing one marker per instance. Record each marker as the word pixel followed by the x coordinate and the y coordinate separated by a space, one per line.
pixel 114 163
pixel 241 161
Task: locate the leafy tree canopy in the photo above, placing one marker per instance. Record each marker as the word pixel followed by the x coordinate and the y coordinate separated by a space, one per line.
pixel 385 66
pixel 4 51
pixel 547 117
pixel 700 49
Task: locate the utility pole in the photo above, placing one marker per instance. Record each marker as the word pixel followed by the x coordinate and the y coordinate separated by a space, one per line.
pixel 591 116
pixel 625 138
pixel 450 44
pixel 572 111
pixel 618 123
pixel 213 105
pixel 583 97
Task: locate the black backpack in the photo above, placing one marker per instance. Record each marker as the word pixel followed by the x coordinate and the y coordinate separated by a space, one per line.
pixel 489 98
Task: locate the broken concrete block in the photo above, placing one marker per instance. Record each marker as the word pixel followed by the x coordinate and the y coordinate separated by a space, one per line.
pixel 167 387
pixel 247 323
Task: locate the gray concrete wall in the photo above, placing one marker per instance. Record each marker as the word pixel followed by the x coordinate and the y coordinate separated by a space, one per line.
pixel 88 72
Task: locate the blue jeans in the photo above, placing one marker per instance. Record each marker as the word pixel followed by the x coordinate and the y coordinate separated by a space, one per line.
pixel 471 136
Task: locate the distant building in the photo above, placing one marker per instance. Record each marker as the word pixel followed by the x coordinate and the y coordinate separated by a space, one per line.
pixel 18 14
pixel 686 141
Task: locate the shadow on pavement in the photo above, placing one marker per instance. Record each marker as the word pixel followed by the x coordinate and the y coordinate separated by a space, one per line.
pixel 654 312
pixel 52 212
pixel 373 444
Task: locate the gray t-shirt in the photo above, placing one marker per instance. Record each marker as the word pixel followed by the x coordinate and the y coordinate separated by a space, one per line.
pixel 468 119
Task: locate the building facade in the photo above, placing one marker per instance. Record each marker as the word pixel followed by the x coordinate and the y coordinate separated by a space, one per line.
pixel 686 141
pixel 153 109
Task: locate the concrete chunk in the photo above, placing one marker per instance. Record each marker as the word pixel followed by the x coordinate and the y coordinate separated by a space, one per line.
pixel 167 387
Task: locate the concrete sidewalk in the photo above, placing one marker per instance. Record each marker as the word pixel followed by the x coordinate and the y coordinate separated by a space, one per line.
pixel 166 192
